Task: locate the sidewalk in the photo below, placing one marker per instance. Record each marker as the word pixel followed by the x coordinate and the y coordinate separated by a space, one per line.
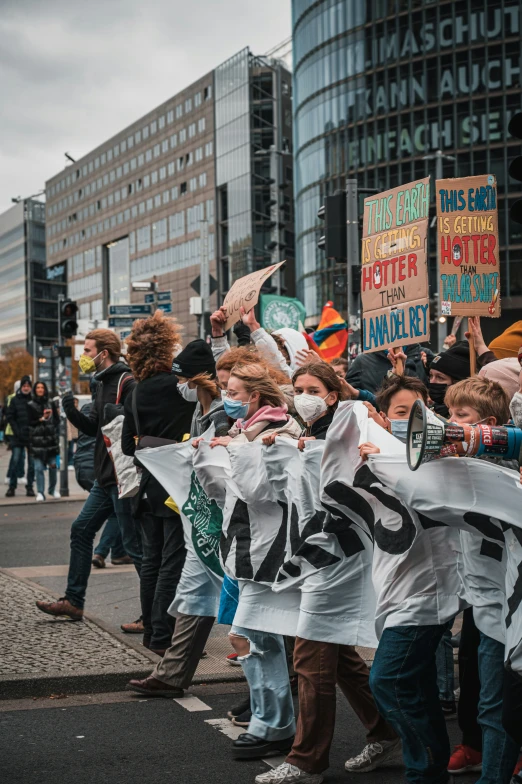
pixel 42 656
pixel 75 491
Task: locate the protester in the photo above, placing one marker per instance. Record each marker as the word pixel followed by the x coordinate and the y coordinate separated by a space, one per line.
pixel 340 365
pixel 72 440
pixel 158 407
pixel 18 419
pixel 101 356
pixel 446 369
pixel 485 746
pixel 321 664
pixel 196 604
pixel 505 372
pixel 43 439
pixel 247 355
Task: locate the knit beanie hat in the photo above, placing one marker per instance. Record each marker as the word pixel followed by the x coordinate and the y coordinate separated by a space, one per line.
pixel 454 362
pixel 195 358
pixel 508 343
pixel 25 380
pixel 505 372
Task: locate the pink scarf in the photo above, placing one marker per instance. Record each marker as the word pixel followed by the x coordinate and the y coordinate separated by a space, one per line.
pixel 265 414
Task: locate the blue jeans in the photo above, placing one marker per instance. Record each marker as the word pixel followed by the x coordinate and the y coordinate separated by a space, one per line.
pixel 499 750
pixel 110 540
pixel 39 468
pixel 266 671
pixel 100 504
pixel 445 667
pixel 16 467
pixel 403 680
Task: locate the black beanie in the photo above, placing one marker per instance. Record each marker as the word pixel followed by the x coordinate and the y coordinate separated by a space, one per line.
pixel 25 380
pixel 195 358
pixel 454 362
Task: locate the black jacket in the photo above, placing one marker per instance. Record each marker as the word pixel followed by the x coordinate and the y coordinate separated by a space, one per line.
pixel 18 418
pixel 91 425
pixel 368 371
pixel 162 412
pixel 84 455
pixel 43 436
pixel 320 427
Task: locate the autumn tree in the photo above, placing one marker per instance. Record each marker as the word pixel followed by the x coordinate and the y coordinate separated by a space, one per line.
pixel 16 362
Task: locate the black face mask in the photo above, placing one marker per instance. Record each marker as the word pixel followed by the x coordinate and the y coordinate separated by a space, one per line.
pixel 437 393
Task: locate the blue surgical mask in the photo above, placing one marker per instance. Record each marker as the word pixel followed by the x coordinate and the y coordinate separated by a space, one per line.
pixel 399 428
pixel 236 409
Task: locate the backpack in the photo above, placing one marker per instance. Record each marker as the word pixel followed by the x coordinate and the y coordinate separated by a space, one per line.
pixel 127 476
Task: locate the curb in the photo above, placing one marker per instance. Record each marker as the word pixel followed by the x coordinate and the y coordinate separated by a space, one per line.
pixel 32 501
pixel 19 686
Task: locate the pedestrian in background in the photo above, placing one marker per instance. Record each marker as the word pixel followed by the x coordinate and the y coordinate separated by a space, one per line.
pixel 44 447
pixel 18 418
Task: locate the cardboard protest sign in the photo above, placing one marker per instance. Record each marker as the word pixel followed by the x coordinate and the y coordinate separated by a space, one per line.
pixel 394 275
pixel 467 246
pixel 245 293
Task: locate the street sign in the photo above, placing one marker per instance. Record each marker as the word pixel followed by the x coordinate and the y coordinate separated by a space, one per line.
pixel 149 297
pixel 120 322
pixel 143 285
pixel 125 334
pixel 164 296
pixel 166 307
pixel 130 310
pixel 196 284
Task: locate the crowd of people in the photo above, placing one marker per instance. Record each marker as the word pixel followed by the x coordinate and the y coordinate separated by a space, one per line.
pixel 272 389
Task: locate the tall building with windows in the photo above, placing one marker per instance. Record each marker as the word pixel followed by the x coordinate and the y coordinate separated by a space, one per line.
pixel 378 86
pixel 133 208
pixel 28 289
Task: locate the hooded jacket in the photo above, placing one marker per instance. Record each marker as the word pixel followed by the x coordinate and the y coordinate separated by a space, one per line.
pixel 91 425
pixel 18 416
pixel 43 435
pixel 368 371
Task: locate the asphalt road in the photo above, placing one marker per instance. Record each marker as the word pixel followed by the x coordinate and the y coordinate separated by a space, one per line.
pixel 36 534
pixel 155 741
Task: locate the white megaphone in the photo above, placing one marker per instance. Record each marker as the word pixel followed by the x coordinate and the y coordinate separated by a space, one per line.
pixel 430 436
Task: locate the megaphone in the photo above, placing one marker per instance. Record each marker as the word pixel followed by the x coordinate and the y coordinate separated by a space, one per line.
pixel 430 436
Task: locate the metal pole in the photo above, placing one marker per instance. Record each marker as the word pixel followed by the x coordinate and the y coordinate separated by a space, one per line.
pixel 352 248
pixel 64 475
pixel 35 361
pixel 442 329
pixel 204 275
pixel 274 213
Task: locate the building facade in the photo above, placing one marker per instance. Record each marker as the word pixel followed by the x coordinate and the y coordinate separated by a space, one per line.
pixel 380 85
pixel 29 292
pixel 132 209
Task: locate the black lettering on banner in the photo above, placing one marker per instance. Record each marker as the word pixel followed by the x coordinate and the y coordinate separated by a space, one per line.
pixel 491 550
pixel 427 522
pixel 515 599
pixel 348 537
pixel 484 525
pixel 392 542
pixel 295 538
pixel 352 500
pixel 316 556
pixel 267 572
pixel 291 569
pixel 239 529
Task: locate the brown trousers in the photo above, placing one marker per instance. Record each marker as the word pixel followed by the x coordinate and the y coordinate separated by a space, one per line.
pixel 180 662
pixel 319 666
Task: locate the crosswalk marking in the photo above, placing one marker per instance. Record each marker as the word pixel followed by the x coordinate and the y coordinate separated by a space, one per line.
pixel 192 703
pixel 226 727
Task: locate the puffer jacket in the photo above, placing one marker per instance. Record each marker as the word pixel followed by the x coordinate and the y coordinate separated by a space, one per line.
pixel 43 435
pixel 18 418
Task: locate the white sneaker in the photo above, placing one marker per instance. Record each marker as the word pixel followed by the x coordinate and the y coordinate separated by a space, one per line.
pixel 56 494
pixel 70 468
pixel 40 497
pixel 288 774
pixel 373 756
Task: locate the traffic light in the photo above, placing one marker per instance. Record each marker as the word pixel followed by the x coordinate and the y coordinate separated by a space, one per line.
pixel 333 212
pixel 515 167
pixel 68 323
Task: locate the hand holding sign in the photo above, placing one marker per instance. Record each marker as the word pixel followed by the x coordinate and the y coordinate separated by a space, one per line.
pixel 245 293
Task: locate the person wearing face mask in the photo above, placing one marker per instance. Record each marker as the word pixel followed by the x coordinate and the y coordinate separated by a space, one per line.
pixel 101 356
pixel 159 406
pixel 322 665
pixel 446 369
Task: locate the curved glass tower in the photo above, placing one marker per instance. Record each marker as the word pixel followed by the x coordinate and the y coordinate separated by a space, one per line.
pixel 380 85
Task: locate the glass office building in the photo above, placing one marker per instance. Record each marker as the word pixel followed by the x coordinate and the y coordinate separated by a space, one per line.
pixel 380 85
pixel 29 291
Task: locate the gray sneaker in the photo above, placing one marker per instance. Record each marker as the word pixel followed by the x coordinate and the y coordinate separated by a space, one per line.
pixel 288 774
pixel 373 756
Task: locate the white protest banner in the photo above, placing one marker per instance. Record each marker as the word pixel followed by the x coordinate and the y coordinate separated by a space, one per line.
pixel 245 293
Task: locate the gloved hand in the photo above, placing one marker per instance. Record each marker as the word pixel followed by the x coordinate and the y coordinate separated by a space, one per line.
pixel 242 333
pixel 68 401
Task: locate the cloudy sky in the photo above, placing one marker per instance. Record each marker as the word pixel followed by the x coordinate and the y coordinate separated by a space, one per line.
pixel 73 73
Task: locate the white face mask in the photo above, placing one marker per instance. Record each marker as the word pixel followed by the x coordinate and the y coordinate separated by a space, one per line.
pixel 310 407
pixel 188 394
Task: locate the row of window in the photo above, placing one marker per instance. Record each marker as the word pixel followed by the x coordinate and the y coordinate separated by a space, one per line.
pixel 83 262
pixel 134 163
pixel 185 254
pixel 87 286
pixel 153 178
pixel 91 310
pixel 135 138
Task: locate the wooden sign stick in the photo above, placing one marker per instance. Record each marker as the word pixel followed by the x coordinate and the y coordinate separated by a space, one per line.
pixel 399 367
pixel 472 353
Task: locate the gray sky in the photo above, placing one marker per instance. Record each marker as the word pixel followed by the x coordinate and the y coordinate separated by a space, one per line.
pixel 74 73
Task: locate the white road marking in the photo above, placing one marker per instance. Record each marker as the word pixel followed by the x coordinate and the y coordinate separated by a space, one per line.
pixel 192 703
pixel 226 727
